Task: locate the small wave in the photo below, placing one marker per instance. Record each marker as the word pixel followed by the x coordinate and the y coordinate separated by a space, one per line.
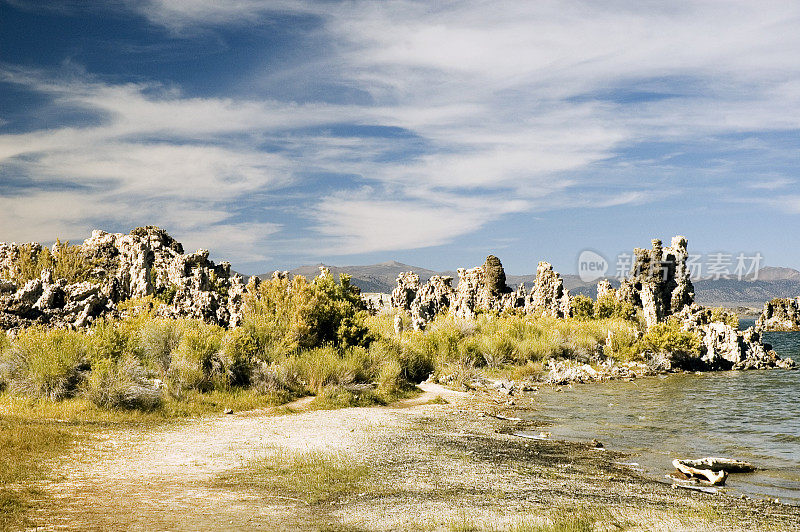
pixel 786 438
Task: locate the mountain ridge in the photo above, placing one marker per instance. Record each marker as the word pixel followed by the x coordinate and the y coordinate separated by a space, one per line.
pixel 772 282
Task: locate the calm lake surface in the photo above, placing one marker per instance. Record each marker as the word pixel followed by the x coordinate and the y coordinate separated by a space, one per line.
pixel 747 415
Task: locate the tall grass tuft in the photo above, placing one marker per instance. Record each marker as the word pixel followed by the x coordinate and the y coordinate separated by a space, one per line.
pixel 122 383
pixel 195 363
pixel 47 363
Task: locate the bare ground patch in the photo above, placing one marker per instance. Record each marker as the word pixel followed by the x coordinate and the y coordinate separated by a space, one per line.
pixel 413 466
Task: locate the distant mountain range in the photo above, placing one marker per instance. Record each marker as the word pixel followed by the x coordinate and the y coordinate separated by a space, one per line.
pixel 771 282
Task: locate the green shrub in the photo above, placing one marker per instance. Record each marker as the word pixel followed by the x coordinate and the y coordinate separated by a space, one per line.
pixel 70 263
pixel 286 316
pixel 321 367
pixel 391 379
pixel 158 338
pixel 668 337
pixel 30 263
pixel 121 383
pixel 46 362
pixel 725 316
pixel 114 339
pixel 582 307
pixel 267 379
pixel 609 306
pixel 239 354
pixel 195 364
pixel 66 261
pixel 5 342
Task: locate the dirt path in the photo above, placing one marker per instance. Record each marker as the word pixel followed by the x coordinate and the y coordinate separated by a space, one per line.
pixel 434 464
pixel 160 478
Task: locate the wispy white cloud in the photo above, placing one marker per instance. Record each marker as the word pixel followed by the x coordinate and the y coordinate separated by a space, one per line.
pixel 516 105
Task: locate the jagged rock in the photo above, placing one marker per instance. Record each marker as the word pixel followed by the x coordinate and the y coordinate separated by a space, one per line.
pixel 495 276
pixel 473 294
pixel 722 347
pixel 516 299
pixel 780 314
pixel 145 262
pixel 278 275
pixel 432 298
pixel 548 297
pixel 398 324
pixel 659 282
pixel 406 291
pixel 465 299
pixel 376 302
pixel 28 295
pixel 53 296
pixel 604 289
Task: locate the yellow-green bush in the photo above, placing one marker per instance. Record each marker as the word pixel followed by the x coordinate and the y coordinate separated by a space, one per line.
pixel 609 306
pixel 114 339
pixel 725 316
pixel 46 362
pixel 158 338
pixel 285 316
pixel 239 355
pixel 668 337
pixel 582 307
pixel 195 363
pixel 5 343
pixel 66 261
pixel 121 383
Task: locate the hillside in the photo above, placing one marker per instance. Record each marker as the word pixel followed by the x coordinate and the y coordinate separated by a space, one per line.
pixel 772 282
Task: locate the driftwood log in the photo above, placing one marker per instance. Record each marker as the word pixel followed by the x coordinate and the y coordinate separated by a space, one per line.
pixel 711 469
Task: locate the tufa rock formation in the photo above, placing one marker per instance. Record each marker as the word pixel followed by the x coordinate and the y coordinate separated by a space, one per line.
pixel 659 287
pixel 477 291
pixel 465 299
pixel 494 277
pixel 659 282
pixel 548 297
pixel 780 314
pixel 146 262
pixel 484 289
pixel 432 299
pixel 406 291
pixel 722 347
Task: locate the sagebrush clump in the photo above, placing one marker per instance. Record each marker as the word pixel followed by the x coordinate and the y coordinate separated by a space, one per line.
pixel 66 262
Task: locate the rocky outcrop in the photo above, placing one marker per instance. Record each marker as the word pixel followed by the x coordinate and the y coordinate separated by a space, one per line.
pixel 567 371
pixel 548 297
pixel 604 289
pixel 478 291
pixel 494 277
pixel 781 314
pixel 146 262
pixel 659 282
pixel 406 291
pixel 465 299
pixel 53 302
pixel 432 298
pixel 722 347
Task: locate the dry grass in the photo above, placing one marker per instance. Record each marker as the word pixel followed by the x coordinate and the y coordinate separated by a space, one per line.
pixel 26 451
pixel 313 478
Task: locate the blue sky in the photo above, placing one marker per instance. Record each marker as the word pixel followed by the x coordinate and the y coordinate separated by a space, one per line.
pixel 279 133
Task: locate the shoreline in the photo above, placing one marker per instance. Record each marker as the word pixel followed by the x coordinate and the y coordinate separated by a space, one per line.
pixel 773 478
pixel 437 462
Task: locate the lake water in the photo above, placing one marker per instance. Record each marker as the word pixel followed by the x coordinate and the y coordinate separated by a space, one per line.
pixel 747 415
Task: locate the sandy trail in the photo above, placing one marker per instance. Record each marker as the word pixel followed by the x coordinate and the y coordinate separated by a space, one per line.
pixel 431 465
pixel 159 479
